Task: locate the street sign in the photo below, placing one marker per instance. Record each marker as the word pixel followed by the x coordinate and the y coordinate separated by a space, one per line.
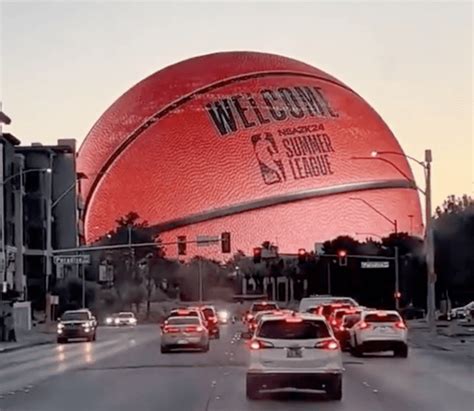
pixel 207 240
pixel 375 264
pixel 73 259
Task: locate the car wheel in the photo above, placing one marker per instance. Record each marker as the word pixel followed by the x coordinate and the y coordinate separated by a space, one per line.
pixel 164 350
pixel 401 351
pixel 205 348
pixel 356 350
pixel 252 391
pixel 334 389
pixel 94 337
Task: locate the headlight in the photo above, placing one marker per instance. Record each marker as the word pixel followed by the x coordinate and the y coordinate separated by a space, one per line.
pixel 86 325
pixel 133 320
pixel 60 326
pixel 117 321
pixel 108 320
pixel 224 315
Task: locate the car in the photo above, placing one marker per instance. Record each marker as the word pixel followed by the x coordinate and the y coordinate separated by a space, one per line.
pixel 212 320
pixel 342 333
pixel 296 351
pixel 253 322
pixel 260 306
pixel 223 316
pixel 378 331
pixel 462 312
pixel 313 301
pixel 184 332
pixel 326 310
pixel 186 312
pixel 109 320
pixel 125 318
pixel 75 324
pixel 335 319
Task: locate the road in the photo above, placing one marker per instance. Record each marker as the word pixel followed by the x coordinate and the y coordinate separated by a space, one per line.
pixel 124 370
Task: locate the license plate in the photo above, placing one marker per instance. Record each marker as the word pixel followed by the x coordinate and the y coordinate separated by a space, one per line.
pixel 182 342
pixel 294 353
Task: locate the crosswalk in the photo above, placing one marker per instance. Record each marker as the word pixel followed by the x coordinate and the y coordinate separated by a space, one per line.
pixel 22 369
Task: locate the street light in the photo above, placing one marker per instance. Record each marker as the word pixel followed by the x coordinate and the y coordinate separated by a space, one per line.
pixel 393 222
pixel 395 228
pixel 429 238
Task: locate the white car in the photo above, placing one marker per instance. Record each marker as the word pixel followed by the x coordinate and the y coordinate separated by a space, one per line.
pixel 379 331
pixel 125 318
pixel 296 351
pixel 184 333
pixel 308 302
pixel 462 312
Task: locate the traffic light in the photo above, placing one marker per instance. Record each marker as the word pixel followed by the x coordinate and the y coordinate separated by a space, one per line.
pixel 225 242
pixel 257 255
pixel 342 256
pixel 301 255
pixel 181 245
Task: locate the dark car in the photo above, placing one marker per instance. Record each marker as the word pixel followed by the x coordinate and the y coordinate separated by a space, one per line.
pixel 212 321
pixel 342 332
pixel 76 324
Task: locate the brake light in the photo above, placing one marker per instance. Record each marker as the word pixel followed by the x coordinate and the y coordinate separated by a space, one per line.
pixel 363 325
pixel 333 322
pixel 341 328
pixel 380 314
pixel 293 320
pixel 259 344
pixel 183 312
pixel 170 330
pixel 213 319
pixel 249 316
pixel 401 325
pixel 327 345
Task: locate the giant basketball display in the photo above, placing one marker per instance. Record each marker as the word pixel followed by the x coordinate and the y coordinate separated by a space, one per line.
pixel 262 146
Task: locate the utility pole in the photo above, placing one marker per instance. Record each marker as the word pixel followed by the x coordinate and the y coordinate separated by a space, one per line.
pixel 83 272
pixel 200 280
pixel 49 235
pixel 329 276
pixel 431 275
pixel 397 281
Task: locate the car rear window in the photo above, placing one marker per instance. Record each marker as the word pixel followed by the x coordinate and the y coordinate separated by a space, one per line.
pixel 208 312
pixel 183 314
pixel 350 320
pixel 183 320
pixel 284 330
pixel 264 307
pixel 378 318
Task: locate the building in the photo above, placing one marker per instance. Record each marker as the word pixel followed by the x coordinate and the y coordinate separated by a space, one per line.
pixel 9 196
pixel 50 201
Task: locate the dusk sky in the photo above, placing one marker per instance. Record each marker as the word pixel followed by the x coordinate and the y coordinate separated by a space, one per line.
pixel 63 63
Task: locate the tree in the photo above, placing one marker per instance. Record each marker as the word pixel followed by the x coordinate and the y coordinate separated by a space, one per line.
pixel 454 244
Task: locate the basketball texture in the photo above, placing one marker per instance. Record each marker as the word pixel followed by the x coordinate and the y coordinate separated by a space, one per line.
pixel 260 145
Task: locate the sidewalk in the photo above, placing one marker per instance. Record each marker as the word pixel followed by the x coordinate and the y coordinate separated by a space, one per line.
pixel 39 335
pixel 450 336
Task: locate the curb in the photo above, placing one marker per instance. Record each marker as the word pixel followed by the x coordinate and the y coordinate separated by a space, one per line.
pixel 18 348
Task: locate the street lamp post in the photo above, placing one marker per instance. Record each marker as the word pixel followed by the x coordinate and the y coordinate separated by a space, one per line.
pixel 395 228
pixel 429 235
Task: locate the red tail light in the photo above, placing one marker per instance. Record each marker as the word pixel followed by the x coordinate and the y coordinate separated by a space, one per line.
pixel 333 322
pixel 401 325
pixel 170 330
pixel 363 325
pixel 212 319
pixel 194 329
pixel 294 320
pixel 327 345
pixel 249 317
pixel 341 328
pixel 259 344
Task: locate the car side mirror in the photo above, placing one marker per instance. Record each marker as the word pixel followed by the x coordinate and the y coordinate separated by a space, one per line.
pixel 246 335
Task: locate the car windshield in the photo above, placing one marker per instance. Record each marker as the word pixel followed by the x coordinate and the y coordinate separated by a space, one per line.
pixel 183 321
pixel 75 316
pixel 126 315
pixel 284 330
pixel 381 318
pixel 264 307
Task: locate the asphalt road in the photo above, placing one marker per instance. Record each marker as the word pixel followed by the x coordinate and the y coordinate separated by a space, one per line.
pixel 124 370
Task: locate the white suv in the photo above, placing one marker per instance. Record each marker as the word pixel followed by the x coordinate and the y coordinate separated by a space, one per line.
pixel 294 351
pixel 379 331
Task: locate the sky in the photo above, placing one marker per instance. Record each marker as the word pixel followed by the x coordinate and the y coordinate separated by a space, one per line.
pixel 63 63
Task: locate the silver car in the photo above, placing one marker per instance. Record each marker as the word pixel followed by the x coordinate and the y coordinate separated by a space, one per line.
pixel 180 333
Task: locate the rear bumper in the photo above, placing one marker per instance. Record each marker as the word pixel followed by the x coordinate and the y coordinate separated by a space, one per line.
pixel 315 381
